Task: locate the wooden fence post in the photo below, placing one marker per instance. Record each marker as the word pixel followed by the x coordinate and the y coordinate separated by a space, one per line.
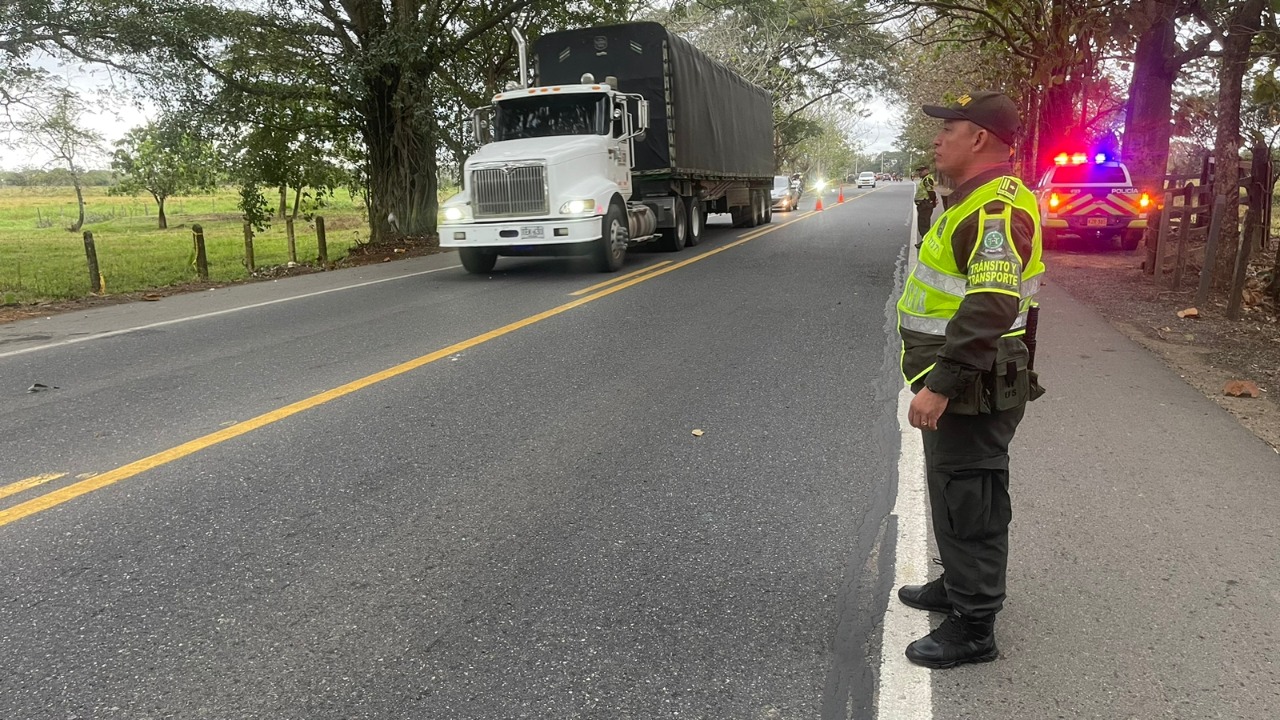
pixel 293 241
pixel 1156 255
pixel 248 246
pixel 321 244
pixel 202 259
pixel 91 253
pixel 1180 263
pixel 1211 250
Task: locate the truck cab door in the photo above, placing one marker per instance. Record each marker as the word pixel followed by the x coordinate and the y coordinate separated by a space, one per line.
pixel 621 151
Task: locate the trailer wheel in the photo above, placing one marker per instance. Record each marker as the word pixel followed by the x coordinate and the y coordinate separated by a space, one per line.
pixel 611 248
pixel 476 261
pixel 752 214
pixel 1130 239
pixel 697 220
pixel 675 238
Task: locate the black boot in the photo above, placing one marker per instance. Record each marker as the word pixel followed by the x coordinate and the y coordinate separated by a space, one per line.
pixel 958 640
pixel 931 596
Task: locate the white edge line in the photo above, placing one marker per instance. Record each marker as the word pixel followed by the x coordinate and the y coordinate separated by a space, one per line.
pixel 906 690
pixel 202 316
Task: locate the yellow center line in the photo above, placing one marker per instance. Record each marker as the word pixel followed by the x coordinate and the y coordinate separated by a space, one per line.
pixel 15 488
pixel 620 278
pixel 124 472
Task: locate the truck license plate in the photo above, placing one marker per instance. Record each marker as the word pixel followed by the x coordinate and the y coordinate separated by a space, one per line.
pixel 1096 222
pixel 531 232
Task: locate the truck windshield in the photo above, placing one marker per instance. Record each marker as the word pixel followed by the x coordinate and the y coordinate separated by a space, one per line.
pixel 545 116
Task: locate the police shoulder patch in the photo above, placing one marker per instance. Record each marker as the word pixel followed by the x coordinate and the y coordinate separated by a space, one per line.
pixel 1008 188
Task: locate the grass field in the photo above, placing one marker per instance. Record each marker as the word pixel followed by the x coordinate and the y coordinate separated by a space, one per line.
pixel 40 260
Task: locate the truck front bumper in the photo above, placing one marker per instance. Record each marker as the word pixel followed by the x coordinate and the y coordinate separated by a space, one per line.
pixel 523 233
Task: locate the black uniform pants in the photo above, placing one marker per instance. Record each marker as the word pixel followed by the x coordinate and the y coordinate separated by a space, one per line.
pixel 924 216
pixel 967 467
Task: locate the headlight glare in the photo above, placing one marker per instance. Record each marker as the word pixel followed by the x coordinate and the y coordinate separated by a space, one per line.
pixel 578 207
pixel 452 214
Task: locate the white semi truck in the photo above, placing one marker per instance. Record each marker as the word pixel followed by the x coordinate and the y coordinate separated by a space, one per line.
pixel 628 134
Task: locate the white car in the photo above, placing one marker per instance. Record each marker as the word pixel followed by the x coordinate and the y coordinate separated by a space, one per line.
pixel 867 178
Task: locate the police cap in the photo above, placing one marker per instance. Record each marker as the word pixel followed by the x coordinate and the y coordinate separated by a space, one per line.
pixel 992 111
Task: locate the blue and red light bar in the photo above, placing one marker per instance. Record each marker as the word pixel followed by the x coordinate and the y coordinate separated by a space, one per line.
pixel 1078 158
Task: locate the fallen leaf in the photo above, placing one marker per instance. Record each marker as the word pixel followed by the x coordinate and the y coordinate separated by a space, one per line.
pixel 1241 388
pixel 152 297
pixel 41 386
pixel 398 250
pixel 697 433
pixel 1189 313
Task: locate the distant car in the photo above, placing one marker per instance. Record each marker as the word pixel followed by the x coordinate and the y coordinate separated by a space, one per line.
pixel 785 193
pixel 867 178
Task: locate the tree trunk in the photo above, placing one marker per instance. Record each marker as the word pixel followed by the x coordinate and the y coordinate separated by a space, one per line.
pixel 1149 112
pixel 164 222
pixel 400 134
pixel 1057 125
pixel 75 180
pixel 284 200
pixel 1242 29
pixel 297 199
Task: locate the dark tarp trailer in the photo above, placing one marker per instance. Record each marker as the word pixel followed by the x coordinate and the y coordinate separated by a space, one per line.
pixel 706 121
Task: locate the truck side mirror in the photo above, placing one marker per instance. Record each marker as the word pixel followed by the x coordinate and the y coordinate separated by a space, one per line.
pixel 644 117
pixel 480 129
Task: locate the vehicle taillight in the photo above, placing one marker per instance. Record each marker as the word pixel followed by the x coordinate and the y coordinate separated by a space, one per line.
pixel 1144 201
pixel 1053 201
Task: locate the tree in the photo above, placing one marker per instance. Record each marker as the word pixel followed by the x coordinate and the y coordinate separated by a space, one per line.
pixel 54 127
pixel 162 159
pixel 1158 58
pixel 1237 32
pixel 1054 47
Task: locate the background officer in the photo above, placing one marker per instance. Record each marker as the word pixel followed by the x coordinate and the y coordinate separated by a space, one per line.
pixel 926 200
pixel 962 317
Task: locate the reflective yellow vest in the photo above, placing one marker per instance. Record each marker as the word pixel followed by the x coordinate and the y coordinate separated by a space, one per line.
pixel 936 286
pixel 924 188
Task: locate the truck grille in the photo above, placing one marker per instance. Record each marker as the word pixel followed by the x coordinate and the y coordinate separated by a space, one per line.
pixel 509 190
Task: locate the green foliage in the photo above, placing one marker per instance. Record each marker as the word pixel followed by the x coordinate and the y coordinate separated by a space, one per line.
pixel 164 160
pixel 254 207
pixel 808 54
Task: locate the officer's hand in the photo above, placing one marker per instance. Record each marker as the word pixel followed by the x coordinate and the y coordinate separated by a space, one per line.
pixel 926 407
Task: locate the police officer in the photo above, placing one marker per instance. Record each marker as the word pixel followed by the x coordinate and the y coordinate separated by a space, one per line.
pixel 962 317
pixel 926 200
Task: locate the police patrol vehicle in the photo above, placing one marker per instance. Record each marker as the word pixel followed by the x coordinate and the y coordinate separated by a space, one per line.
pixel 1091 198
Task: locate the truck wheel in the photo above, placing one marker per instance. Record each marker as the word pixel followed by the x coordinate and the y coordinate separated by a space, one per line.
pixel 477 261
pixel 675 238
pixel 739 216
pixel 1130 239
pixel 611 248
pixel 697 220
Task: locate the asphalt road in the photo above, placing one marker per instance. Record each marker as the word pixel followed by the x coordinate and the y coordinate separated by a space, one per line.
pixel 519 524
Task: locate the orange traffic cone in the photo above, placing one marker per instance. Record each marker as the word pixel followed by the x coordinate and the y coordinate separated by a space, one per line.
pixel 840 199
pixel 818 207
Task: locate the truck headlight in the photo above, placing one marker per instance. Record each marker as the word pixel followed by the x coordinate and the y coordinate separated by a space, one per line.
pixel 452 214
pixel 578 207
